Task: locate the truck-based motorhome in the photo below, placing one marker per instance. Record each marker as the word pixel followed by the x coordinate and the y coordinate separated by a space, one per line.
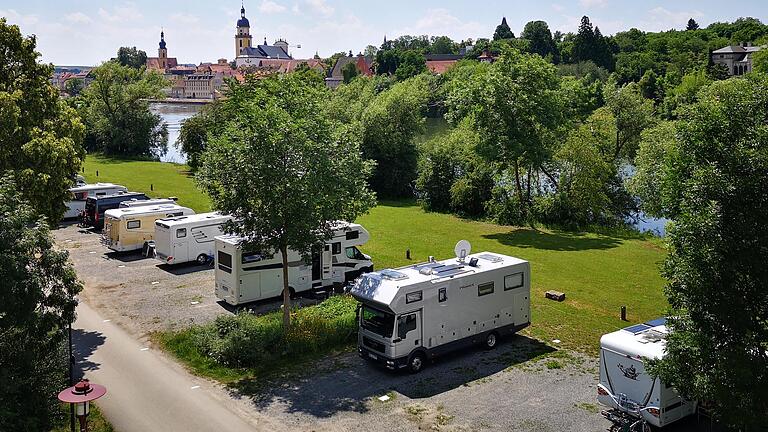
pixel 127 229
pixel 81 193
pixel 95 206
pixel 246 276
pixel 188 238
pixel 133 202
pixel 414 313
pixel 625 385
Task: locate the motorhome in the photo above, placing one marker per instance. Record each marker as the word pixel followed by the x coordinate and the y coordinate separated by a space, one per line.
pixel 414 313
pixel 244 276
pixel 128 229
pixel 95 206
pixel 134 202
pixel 188 238
pixel 625 385
pixel 80 194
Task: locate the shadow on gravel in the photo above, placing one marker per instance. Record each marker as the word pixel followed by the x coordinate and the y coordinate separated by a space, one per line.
pixel 185 268
pixel 125 257
pixel 556 240
pixel 349 383
pixel 84 344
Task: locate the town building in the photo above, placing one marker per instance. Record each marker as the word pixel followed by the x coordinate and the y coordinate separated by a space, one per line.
pixel 364 65
pixel 440 63
pixel 248 55
pixel 737 58
pixel 162 62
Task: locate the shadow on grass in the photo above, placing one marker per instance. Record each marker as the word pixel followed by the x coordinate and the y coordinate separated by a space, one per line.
pixel 398 203
pixel 347 383
pixel 84 344
pixel 556 240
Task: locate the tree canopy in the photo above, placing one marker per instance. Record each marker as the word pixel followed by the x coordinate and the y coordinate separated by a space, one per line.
pixel 503 31
pixel 131 57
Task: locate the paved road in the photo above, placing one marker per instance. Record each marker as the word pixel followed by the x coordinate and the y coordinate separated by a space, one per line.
pixel 146 391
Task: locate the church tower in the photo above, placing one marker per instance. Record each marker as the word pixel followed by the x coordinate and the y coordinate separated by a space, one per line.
pixel 243 35
pixel 162 53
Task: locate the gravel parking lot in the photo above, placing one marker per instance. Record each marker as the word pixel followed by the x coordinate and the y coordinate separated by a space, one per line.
pixel 523 385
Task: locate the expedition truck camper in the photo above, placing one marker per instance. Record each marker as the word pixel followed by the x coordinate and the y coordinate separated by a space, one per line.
pixel 81 193
pixel 627 388
pixel 128 229
pixel 188 238
pixel 244 276
pixel 133 202
pixel 414 313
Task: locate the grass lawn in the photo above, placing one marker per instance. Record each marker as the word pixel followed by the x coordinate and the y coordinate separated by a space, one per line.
pixel 96 421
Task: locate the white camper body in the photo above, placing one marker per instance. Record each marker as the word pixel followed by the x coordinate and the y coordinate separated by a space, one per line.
pixel 624 383
pixel 420 311
pixel 133 202
pixel 82 192
pixel 243 276
pixel 188 238
pixel 128 229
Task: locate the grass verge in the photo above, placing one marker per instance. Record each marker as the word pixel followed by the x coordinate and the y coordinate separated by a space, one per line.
pixel 96 421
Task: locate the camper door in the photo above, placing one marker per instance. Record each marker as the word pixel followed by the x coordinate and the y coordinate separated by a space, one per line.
pixel 407 333
pixel 327 262
pixel 179 243
pixel 626 377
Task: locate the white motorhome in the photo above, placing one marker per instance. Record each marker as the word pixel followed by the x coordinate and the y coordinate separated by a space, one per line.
pixel 246 276
pixel 80 193
pixel 134 202
pixel 625 385
pixel 128 229
pixel 413 313
pixel 188 238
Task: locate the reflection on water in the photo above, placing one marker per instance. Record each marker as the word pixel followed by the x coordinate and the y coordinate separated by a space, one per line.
pixel 174 115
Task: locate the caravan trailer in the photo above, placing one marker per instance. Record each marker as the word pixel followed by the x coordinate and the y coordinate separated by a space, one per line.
pixel 81 193
pixel 127 229
pixel 627 388
pixel 246 276
pixel 188 238
pixel 413 313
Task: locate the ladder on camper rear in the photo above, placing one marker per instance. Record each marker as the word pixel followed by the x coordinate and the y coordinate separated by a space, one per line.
pixel 623 422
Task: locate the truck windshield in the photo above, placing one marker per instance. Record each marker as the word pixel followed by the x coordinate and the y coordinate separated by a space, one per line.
pixel 377 321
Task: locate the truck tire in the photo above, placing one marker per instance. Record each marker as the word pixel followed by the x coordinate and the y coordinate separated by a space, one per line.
pixel 202 259
pixel 416 362
pixel 491 340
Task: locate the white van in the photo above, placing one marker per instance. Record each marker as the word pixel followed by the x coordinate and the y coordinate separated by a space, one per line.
pixel 413 313
pixel 128 229
pixel 80 193
pixel 246 276
pixel 625 386
pixel 188 238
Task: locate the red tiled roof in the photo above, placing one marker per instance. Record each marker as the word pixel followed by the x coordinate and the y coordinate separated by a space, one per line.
pixel 440 66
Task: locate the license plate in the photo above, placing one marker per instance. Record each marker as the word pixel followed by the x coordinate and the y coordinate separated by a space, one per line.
pixel 372 356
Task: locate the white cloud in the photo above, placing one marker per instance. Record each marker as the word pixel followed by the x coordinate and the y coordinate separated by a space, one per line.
pixel 558 7
pixel 665 19
pixel 183 18
pixel 13 17
pixel 78 18
pixel 321 6
pixel 593 3
pixel 439 22
pixel 270 7
pixel 126 12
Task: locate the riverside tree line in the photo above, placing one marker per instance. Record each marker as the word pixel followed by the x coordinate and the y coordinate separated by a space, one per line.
pixel 535 137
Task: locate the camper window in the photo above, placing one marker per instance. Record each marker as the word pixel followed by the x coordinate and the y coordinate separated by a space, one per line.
pixel 405 324
pixel 513 281
pixel 485 289
pixel 413 297
pixel 225 262
pixel 181 233
pixel 354 253
pixel 379 322
pixel 442 295
pixel 133 224
pixel 251 257
pixel 352 235
pixel 337 248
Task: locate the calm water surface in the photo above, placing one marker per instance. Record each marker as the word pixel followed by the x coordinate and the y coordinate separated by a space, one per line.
pixel 174 115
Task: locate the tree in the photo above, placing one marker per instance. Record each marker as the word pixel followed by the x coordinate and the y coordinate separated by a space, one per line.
pixel 443 45
pixel 117 114
pixel 349 72
pixel 713 181
pixel 40 136
pixel 760 61
pixel 503 31
pixel 541 43
pixel 632 114
pixel 286 188
pixel 131 57
pixel 38 289
pixel 589 44
pixel 74 86
pixel 370 51
pixel 692 25
pixel 649 86
pixel 196 130
pixel 410 64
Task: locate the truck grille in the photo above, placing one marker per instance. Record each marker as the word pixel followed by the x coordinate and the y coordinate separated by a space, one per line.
pixel 370 343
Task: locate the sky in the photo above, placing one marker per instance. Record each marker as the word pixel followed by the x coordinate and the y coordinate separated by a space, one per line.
pixel 88 32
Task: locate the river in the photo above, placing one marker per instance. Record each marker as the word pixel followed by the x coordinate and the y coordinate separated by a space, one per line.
pixel 174 115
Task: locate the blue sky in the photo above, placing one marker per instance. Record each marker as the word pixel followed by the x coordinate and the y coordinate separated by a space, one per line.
pixel 87 32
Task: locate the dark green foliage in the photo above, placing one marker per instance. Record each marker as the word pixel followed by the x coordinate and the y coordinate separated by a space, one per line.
pixel 692 25
pixel 74 86
pixel 649 86
pixel 401 63
pixel 540 40
pixel 589 44
pixel 503 31
pixel 443 45
pixel 718 72
pixel 195 131
pixel 40 136
pixel 349 71
pixel 131 57
pixel 39 287
pixel 712 175
pixel 116 113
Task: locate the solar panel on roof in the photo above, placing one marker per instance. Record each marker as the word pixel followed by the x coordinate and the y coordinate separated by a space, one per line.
pixel 452 272
pixel 447 268
pixel 637 328
pixel 491 258
pixel 656 322
pixel 393 275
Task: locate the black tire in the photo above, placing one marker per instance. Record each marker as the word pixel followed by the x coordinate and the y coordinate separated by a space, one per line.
pixel 416 362
pixel 202 259
pixel 491 340
pixel 291 293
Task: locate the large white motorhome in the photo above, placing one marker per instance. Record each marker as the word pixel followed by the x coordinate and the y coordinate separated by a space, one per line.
pixel 188 238
pixel 134 202
pixel 82 192
pixel 413 313
pixel 246 276
pixel 128 229
pixel 625 385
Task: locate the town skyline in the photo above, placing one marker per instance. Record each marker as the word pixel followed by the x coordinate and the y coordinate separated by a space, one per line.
pixel 86 33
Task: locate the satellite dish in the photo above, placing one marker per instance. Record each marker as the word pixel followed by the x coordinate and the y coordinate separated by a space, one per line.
pixel 462 249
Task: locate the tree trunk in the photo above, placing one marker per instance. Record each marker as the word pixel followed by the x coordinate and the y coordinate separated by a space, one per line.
pixel 519 188
pixel 529 184
pixel 286 291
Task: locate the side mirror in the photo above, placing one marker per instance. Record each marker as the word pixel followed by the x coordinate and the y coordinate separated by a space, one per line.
pixel 396 340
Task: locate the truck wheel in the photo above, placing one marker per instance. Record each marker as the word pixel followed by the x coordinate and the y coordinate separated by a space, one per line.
pixel 202 259
pixel 416 362
pixel 291 293
pixel 491 340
